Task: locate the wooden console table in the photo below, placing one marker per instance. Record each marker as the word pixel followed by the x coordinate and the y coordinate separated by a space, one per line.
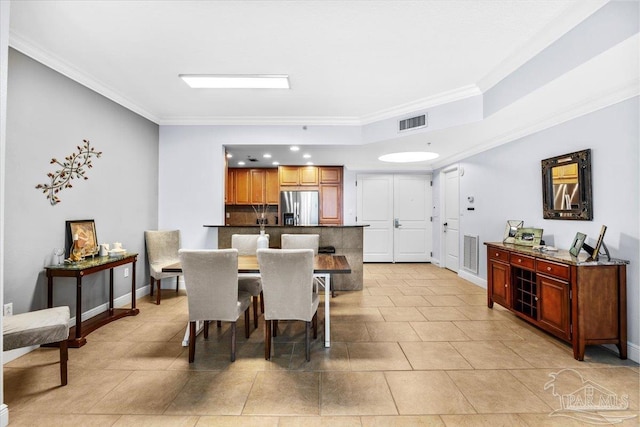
pixel 77 334
pixel 582 302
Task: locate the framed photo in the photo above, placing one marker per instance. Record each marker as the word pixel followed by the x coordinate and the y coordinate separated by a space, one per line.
pixel 528 236
pixel 596 248
pixel 87 239
pixel 578 241
pixel 511 230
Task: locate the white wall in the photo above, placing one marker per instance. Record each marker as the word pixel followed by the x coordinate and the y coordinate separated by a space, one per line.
pixel 506 184
pixel 48 116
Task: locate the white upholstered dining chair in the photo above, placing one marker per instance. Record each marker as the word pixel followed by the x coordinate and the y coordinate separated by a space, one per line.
pixel 162 250
pixel 211 279
pixel 287 283
pixel 304 241
pixel 247 244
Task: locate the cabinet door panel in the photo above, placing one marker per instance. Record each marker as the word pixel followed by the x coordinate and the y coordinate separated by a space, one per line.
pixel 243 187
pixel 230 191
pixel 308 175
pixel 331 175
pixel 553 305
pixel 258 189
pixel 330 204
pixel 273 188
pixel 500 283
pixel 288 175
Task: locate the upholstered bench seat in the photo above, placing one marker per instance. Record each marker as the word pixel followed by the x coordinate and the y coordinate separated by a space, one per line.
pixel 39 327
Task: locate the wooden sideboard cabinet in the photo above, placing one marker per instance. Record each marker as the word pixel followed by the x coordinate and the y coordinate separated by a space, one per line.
pixel 582 302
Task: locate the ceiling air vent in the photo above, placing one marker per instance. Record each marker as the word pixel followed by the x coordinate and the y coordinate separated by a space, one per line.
pixel 412 123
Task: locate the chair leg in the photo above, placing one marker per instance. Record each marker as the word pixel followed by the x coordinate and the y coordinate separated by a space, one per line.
pixel 261 302
pixel 153 284
pixel 219 324
pixel 233 341
pixel 192 341
pixel 159 282
pixel 307 340
pixel 315 325
pixel 255 312
pixel 267 339
pixel 177 284
pixel 206 330
pixel 275 328
pixel 246 323
pixel 64 356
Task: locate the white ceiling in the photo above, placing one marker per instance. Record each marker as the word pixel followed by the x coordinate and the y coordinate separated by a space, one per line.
pixel 349 62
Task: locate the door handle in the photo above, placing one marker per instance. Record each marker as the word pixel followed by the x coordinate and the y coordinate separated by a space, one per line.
pixel 445 226
pixel 396 223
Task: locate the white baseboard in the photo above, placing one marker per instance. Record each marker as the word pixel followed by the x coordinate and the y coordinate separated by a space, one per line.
pixel 472 278
pixel 435 261
pixel 4 415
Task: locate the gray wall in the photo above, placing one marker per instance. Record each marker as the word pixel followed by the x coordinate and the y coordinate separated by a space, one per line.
pixel 506 184
pixel 48 116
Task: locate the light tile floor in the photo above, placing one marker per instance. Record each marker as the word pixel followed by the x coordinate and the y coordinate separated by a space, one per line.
pixel 418 346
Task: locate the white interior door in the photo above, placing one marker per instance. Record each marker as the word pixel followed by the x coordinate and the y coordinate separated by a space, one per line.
pixel 412 208
pixel 396 209
pixel 375 208
pixel 450 229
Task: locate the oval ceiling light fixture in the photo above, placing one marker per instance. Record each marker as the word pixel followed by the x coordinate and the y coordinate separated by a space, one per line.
pixel 241 163
pixel 408 157
pixel 306 156
pixel 266 155
pixel 229 155
pixel 294 148
pixel 309 163
pixel 275 163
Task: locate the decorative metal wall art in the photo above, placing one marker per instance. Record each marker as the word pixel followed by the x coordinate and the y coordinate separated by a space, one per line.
pixel 73 166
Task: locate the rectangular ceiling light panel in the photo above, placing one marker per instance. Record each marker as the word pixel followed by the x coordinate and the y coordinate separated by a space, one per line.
pixel 236 81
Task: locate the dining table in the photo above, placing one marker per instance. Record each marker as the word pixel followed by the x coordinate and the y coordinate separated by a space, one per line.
pixel 324 265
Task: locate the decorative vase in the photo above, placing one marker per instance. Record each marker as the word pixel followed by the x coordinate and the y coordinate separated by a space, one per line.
pixel 263 240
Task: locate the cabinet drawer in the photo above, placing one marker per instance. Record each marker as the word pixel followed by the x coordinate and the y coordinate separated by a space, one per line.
pixel 522 261
pixel 498 254
pixel 560 271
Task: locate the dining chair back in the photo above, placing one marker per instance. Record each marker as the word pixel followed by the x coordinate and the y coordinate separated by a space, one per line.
pixel 287 281
pixel 247 244
pixel 300 241
pixel 162 250
pixel 211 279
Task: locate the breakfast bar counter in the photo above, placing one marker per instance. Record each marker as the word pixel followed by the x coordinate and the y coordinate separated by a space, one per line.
pixel 346 239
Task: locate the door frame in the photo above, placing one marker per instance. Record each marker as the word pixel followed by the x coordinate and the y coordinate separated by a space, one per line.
pixel 442 234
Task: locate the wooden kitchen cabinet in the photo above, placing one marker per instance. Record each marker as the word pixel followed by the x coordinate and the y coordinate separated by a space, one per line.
pixel 294 176
pixel 582 302
pixel 272 186
pixel 330 174
pixel 252 186
pixel 330 204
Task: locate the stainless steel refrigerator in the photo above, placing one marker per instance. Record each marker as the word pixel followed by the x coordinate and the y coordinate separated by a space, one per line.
pixel 299 207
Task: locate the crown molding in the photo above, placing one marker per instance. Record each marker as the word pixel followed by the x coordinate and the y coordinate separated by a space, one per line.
pixel 458 94
pixel 261 121
pixel 564 23
pixel 57 64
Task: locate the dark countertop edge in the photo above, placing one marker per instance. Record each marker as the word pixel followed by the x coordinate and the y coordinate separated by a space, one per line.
pixel 291 226
pixel 561 255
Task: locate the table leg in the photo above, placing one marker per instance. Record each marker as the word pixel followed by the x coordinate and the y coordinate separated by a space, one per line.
pixel 49 291
pixel 79 307
pixel 327 311
pixel 133 285
pixel 110 290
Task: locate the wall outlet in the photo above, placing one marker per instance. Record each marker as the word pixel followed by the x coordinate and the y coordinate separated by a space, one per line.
pixel 8 309
pixel 126 272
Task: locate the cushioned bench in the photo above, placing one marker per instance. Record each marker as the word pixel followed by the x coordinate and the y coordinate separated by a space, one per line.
pixel 46 326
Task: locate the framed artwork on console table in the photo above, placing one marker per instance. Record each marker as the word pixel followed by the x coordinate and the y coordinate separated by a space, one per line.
pixel 511 229
pixel 528 236
pixel 578 241
pixel 85 229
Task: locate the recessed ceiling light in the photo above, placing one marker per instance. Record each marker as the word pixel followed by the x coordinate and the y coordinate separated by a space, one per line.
pixel 229 155
pixel 236 81
pixel 266 155
pixel 294 148
pixel 408 157
pixel 241 163
pixel 275 163
pixel 309 163
pixel 306 156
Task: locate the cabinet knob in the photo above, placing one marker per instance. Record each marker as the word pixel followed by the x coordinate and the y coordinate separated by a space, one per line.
pixel 497 254
pixel 505 285
pixel 548 268
pixel 519 260
pixel 536 298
